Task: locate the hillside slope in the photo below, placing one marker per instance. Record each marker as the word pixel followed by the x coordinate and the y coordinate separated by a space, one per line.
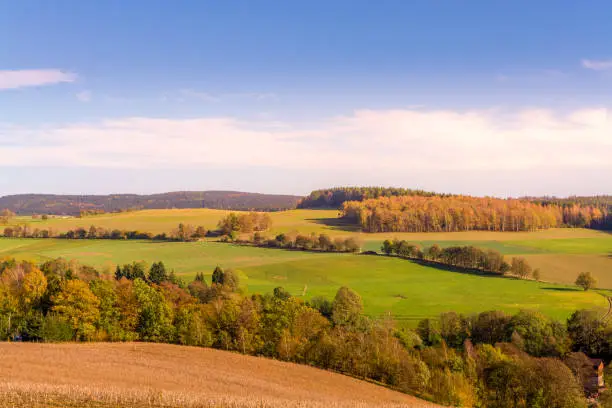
pixel 156 375
pixel 26 204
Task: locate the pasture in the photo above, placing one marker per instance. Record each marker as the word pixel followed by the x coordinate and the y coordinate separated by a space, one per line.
pixel 560 254
pixel 407 290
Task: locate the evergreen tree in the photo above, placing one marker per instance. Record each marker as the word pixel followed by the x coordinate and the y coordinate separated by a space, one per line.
pixel 157 273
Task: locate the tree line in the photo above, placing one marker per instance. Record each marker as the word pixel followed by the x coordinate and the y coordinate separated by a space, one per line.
pixel 466 257
pixel 490 359
pixel 465 213
pixel 335 197
pixel 183 232
pixel 303 242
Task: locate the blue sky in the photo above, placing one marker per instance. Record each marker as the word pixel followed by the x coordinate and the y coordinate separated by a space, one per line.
pixel 480 97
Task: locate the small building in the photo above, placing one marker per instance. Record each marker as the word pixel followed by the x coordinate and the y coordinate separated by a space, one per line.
pixel 589 371
pixel 595 381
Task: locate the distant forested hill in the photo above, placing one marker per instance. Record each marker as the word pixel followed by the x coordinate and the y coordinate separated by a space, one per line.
pixel 26 204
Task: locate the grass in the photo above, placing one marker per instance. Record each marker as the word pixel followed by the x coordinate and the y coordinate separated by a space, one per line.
pixel 139 375
pixel 406 289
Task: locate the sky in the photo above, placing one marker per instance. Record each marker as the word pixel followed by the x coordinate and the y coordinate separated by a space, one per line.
pixel 479 97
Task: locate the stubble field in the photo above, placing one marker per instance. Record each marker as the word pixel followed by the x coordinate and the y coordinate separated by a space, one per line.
pixel 138 375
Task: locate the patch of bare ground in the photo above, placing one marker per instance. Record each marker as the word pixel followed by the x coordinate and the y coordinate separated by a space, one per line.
pixel 138 375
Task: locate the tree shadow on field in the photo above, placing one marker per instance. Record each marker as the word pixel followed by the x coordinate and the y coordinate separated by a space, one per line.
pixel 563 289
pixel 336 224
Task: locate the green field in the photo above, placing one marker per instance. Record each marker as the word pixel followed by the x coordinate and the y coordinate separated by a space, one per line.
pixel 406 289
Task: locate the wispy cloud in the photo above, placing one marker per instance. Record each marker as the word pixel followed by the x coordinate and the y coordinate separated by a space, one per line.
pixel 401 140
pixel 13 79
pixel 597 65
pixel 84 96
pixel 203 96
pixel 208 97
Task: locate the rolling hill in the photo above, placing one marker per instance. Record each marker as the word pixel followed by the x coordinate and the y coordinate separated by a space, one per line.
pixel 136 375
pixel 26 204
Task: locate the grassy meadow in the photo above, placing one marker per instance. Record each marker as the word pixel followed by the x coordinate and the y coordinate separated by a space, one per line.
pixel 560 254
pixel 406 289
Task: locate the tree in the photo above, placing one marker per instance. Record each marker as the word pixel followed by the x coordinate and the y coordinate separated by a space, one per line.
pixel 387 247
pixel 231 280
pixel 6 215
pixel 352 245
pixel 155 314
pixel 281 293
pixel 325 242
pixel 157 273
pixel 218 276
pixel 520 267
pixel 434 252
pixel 586 281
pixel 536 332
pixel 536 274
pixel 200 232
pixel 229 224
pixel 347 307
pixel 587 332
pixel 78 306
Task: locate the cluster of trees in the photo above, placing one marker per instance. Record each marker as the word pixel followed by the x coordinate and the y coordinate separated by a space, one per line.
pixel 233 224
pixel 6 215
pixel 184 232
pixel 91 212
pixel 312 242
pixel 530 351
pixel 591 212
pixel 467 257
pixel 335 197
pixel 452 213
pixel 491 359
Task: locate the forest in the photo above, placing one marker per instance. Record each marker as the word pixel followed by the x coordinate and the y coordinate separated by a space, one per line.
pixel 335 197
pixel 28 204
pixel 465 213
pixel 489 359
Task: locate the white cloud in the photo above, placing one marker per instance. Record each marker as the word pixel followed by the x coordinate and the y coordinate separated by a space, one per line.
pixel 84 96
pixel 33 77
pixel 400 141
pixel 597 65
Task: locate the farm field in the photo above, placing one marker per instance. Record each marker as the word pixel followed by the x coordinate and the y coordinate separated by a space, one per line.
pixel 406 289
pixel 138 375
pixel 561 254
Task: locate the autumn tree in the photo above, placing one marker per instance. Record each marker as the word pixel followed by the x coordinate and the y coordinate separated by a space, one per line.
pixel 79 307
pixel 347 307
pixel 6 215
pixel 520 267
pixel 586 281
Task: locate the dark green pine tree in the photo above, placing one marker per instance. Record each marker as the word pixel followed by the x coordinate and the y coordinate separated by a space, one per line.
pixel 158 273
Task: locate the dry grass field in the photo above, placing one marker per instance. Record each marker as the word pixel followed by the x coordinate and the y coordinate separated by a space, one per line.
pixel 155 375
